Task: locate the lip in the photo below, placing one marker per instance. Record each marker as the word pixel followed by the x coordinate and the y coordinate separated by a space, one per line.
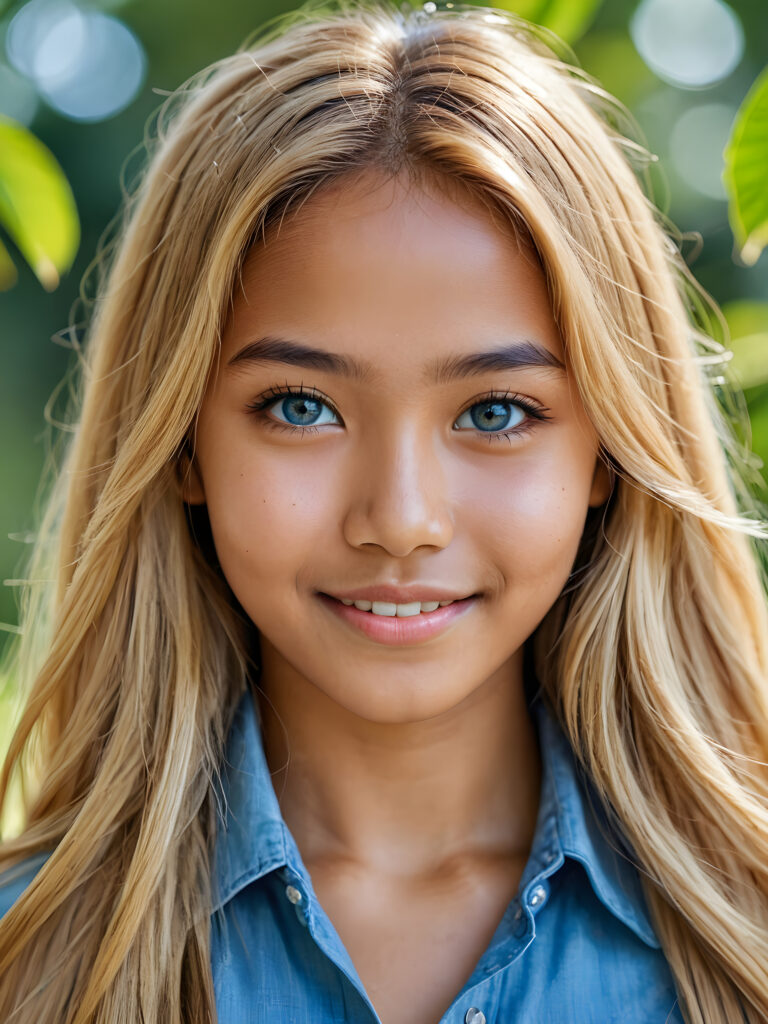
pixel 400 595
pixel 397 632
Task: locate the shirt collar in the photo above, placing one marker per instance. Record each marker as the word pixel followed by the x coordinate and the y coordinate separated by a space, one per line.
pixel 584 832
pixel 253 838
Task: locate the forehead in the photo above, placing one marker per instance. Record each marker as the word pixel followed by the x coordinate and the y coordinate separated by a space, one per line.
pixel 394 272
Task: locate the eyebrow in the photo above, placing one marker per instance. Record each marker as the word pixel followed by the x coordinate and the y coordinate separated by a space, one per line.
pixel 516 356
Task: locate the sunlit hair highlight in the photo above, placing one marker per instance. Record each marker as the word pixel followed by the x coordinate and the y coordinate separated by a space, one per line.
pixel 133 657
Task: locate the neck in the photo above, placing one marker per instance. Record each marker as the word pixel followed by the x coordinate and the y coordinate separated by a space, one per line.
pixel 404 797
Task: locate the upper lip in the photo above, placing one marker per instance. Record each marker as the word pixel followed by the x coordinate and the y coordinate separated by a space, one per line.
pixel 399 595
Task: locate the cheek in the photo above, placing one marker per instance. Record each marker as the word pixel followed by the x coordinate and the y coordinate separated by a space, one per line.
pixel 268 516
pixel 532 516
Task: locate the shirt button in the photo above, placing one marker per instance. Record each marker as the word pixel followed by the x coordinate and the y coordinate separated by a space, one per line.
pixel 294 895
pixel 538 896
pixel 474 1016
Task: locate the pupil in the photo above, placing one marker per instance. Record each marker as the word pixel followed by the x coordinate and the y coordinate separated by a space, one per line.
pixel 491 415
pixel 301 411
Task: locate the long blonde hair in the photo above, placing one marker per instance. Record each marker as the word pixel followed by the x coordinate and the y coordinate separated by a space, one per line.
pixel 134 653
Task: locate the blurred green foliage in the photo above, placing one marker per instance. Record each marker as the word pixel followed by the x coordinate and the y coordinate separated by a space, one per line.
pixel 181 36
pixel 11 820
pixel 748 325
pixel 566 18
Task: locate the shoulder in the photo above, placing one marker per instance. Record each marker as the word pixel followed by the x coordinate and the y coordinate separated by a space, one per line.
pixel 14 880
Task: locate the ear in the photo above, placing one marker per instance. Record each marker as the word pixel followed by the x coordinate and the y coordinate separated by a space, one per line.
pixel 603 480
pixel 189 479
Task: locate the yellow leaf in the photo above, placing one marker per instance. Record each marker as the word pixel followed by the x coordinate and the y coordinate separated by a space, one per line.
pixel 8 274
pixel 37 207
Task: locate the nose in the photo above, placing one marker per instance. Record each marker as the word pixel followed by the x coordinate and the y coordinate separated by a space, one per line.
pixel 398 498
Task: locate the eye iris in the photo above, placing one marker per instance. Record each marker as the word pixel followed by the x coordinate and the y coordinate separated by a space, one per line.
pixel 301 410
pixel 494 415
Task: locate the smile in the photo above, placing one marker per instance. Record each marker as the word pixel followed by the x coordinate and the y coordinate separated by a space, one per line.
pixel 399 624
pixel 400 611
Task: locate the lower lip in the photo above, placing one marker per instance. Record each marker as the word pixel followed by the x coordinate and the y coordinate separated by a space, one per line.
pixel 389 629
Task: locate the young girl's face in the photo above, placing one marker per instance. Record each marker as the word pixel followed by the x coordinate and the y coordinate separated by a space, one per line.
pixel 392 410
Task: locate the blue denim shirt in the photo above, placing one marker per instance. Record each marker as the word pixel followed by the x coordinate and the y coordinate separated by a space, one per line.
pixel 575 946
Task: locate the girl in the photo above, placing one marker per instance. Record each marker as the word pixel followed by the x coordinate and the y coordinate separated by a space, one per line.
pixel 406 654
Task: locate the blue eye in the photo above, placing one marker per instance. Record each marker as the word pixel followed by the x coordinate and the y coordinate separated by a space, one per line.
pixel 492 416
pixel 496 416
pixel 303 410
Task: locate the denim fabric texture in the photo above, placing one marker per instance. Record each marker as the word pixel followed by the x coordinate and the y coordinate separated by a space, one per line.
pixel 575 946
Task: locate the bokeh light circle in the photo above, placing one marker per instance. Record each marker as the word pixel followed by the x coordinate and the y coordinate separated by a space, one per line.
pixel 689 43
pixel 696 146
pixel 86 64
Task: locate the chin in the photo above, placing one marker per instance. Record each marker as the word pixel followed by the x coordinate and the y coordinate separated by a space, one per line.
pixel 402 707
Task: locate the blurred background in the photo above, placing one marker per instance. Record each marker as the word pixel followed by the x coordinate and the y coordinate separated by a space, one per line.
pixel 84 78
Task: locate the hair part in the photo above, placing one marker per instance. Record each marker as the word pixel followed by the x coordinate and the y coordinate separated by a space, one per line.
pixel 655 656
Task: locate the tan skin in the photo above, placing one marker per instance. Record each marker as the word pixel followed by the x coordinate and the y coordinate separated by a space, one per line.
pixel 413 780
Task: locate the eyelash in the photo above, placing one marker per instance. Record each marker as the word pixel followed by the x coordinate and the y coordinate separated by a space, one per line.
pixel 534 412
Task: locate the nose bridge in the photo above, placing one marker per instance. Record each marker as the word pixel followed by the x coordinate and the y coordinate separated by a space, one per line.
pixel 399 496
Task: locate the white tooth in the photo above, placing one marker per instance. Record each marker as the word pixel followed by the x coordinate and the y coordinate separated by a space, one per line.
pixel 444 603
pixel 364 606
pixel 383 608
pixel 347 601
pixel 429 606
pixel 404 611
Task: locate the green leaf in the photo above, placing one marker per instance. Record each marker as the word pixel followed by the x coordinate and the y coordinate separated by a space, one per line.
pixel 568 19
pixel 746 172
pixel 748 326
pixel 37 207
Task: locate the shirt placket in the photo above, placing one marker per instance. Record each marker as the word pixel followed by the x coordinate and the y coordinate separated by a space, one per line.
pixel 479 1000
pixel 310 915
